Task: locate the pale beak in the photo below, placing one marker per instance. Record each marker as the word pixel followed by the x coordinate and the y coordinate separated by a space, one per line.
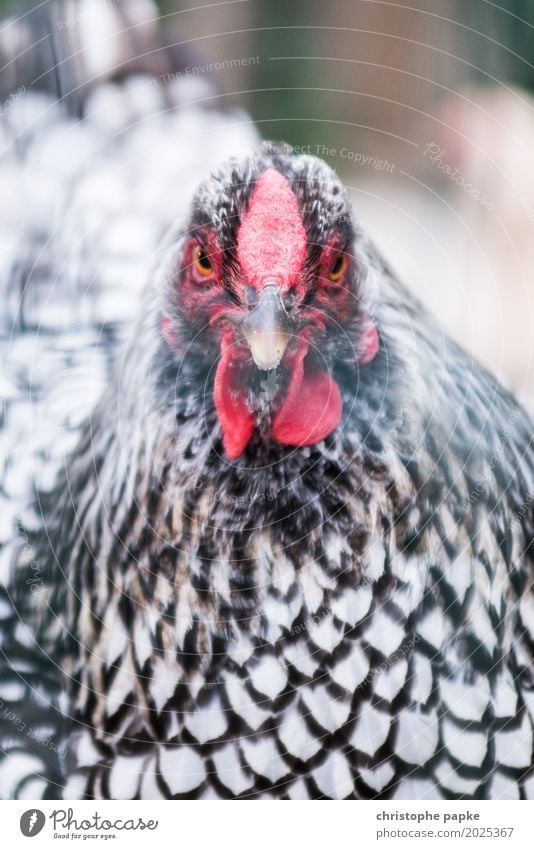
pixel 265 328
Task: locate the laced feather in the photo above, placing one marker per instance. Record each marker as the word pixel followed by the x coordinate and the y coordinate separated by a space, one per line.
pixel 223 632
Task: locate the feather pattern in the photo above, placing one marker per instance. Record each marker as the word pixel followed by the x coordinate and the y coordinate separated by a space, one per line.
pixel 352 619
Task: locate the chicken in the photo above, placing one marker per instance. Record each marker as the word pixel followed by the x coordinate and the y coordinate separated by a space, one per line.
pixel 288 552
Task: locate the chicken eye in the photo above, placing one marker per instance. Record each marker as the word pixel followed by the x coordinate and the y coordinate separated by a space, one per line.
pixel 202 263
pixel 338 268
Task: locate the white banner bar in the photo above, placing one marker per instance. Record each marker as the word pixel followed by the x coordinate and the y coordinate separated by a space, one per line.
pixel 256 825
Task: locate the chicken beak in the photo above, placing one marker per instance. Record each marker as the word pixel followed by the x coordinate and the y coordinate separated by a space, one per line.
pixel 265 328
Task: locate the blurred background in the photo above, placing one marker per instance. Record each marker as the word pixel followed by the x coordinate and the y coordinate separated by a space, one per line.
pixel 425 109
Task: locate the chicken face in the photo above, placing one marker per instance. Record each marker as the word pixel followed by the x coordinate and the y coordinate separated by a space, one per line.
pixel 268 283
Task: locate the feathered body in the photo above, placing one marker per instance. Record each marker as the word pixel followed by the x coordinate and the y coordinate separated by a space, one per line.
pixel 351 618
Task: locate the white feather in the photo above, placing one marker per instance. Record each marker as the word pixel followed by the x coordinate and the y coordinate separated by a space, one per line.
pixel 125 776
pixel 421 678
pixel 432 628
pixel 526 612
pixel 75 787
pixel 268 676
pixel 466 701
pixel 390 680
pixel 450 780
pixel 296 738
pixel 324 634
pixel 141 641
pixel 333 777
pixel 467 746
pixel 529 788
pixel 182 768
pixel 229 770
pixel 330 713
pixel 378 778
pixel 33 789
pixel 374 568
pixel 513 748
pixel 383 633
pixel 165 677
pixel 504 697
pixel 121 690
pixel 417 736
pixel 352 605
pixel 352 670
pixel 241 649
pixel 12 691
pixel 243 704
pixel 417 788
pixel 459 575
pixel 298 790
pixel 86 752
pixel 502 787
pixel 301 658
pixel 372 729
pixel 150 788
pixel 207 723
pixel 263 757
pixel 14 768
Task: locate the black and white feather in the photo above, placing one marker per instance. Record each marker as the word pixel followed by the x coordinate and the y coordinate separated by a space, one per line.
pixel 353 619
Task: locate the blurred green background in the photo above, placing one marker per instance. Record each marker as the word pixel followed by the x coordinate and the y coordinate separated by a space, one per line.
pixel 323 62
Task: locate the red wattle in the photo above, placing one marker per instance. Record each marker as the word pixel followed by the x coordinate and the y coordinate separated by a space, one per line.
pixel 312 407
pixel 237 421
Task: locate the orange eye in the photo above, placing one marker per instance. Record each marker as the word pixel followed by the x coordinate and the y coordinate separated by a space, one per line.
pixel 338 268
pixel 202 263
